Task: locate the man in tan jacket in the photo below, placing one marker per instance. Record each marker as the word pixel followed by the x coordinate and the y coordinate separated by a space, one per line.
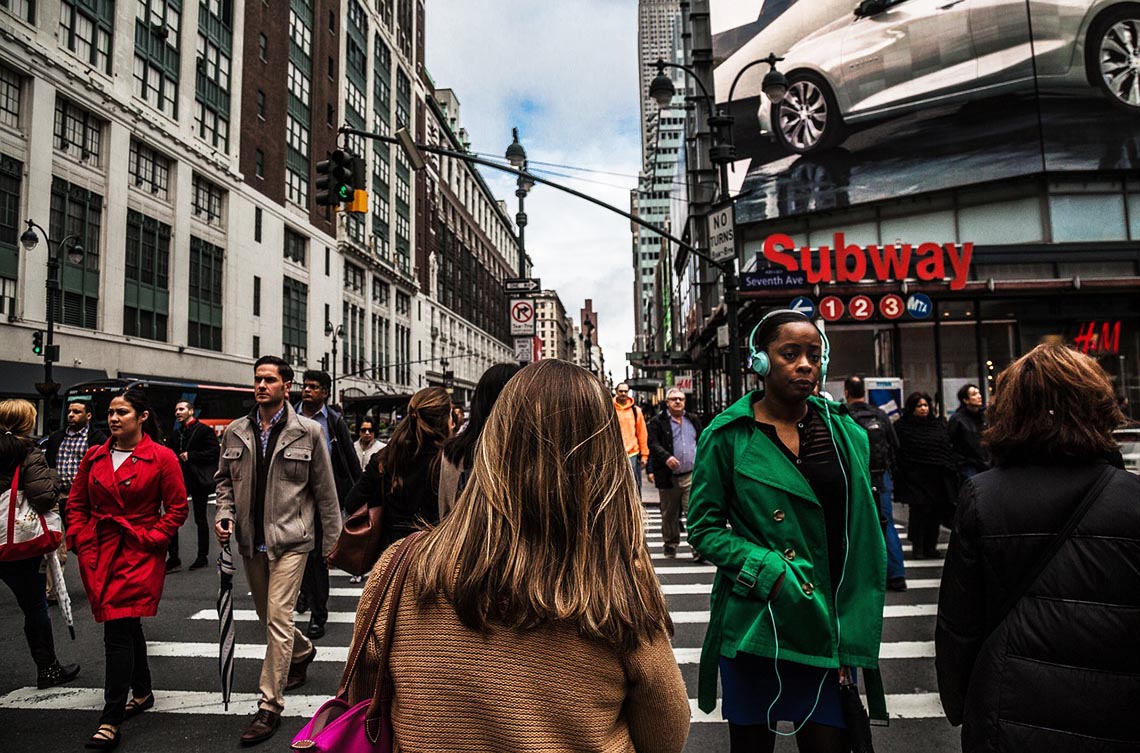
pixel 633 433
pixel 274 477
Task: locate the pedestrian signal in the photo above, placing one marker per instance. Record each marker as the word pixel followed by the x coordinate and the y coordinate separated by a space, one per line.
pixel 38 342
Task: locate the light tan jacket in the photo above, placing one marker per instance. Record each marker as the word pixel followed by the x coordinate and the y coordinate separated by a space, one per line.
pixel 299 483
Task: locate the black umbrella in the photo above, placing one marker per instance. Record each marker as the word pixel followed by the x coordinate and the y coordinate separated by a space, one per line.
pixel 226 620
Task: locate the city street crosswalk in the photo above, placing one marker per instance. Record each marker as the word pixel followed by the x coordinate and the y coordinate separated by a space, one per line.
pixel 183 653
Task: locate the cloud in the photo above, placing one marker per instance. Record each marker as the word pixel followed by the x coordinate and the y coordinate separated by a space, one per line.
pixel 566 75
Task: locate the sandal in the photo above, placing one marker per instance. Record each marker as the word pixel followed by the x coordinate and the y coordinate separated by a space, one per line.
pixel 105 738
pixel 135 707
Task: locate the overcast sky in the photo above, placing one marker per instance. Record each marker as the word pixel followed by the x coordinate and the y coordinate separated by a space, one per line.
pixel 565 73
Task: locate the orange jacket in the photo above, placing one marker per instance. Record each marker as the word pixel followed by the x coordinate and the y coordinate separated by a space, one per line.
pixel 633 433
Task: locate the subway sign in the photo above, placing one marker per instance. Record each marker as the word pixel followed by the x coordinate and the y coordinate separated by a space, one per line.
pixel 849 262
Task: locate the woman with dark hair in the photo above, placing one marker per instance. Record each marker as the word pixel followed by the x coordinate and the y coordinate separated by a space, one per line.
pixel 927 474
pixel 781 503
pixel 459 451
pixel 537 588
pixel 20 457
pixel 1039 606
pixel 127 501
pixel 403 478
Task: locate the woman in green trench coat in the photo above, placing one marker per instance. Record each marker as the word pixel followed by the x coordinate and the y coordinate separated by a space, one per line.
pixel 782 505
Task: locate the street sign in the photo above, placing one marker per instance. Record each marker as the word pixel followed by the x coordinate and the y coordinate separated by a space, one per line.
pixel 861 307
pixel 524 349
pixel 522 317
pixel 683 383
pixel 831 309
pixel 722 233
pixel 772 278
pixel 919 306
pixel 722 337
pixel 891 306
pixel 802 305
pixel 522 285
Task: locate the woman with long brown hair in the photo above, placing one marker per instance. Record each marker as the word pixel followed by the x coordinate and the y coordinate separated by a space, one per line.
pixel 403 478
pixel 532 618
pixel 1039 606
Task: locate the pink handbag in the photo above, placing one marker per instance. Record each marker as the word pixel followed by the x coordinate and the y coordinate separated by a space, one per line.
pixel 367 726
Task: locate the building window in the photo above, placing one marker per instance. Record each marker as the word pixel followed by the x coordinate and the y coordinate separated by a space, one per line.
pixel 256 346
pixel 257 219
pixel 295 246
pixel 208 200
pixel 149 170
pixel 256 295
pixel 78 133
pixel 10 92
pixel 86 28
pixel 379 292
pixel 77 211
pixel 294 322
pixel 259 163
pixel 354 279
pixel 11 182
pixel 146 301
pixel 262 47
pixel 261 104
pixel 403 304
pixel 205 317
pixel 328 262
pixel 157 32
pixel 22 9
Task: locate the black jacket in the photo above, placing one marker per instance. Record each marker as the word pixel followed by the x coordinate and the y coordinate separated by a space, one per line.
pixel 1062 671
pixel 346 467
pixel 660 440
pixel 417 501
pixel 965 429
pixel 52 443
pixel 200 444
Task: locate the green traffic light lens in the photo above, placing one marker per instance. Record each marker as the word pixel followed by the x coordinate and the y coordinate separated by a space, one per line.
pixel 344 192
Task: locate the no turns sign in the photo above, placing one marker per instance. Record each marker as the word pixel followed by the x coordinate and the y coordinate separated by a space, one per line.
pixel 522 317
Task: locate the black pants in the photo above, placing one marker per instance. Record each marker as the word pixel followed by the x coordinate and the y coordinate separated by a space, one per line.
pixel 127 670
pixel 812 738
pixel 924 530
pixel 315 584
pixel 27 584
pixel 199 498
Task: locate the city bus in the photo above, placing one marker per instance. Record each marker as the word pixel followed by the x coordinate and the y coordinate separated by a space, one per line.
pixel 215 404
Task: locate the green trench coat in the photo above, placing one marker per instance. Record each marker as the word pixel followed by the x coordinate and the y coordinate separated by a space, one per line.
pixel 753 515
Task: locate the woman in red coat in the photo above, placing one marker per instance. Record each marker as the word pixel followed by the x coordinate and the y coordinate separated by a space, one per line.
pixel 127 501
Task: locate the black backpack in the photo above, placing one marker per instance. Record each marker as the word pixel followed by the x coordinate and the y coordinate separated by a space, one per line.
pixel 872 423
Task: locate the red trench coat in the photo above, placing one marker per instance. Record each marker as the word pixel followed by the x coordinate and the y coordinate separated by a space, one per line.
pixel 120 524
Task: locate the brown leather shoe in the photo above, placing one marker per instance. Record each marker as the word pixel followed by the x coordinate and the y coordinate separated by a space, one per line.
pixel 299 671
pixel 262 727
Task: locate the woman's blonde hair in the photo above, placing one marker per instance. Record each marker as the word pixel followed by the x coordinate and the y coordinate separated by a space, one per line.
pixel 549 527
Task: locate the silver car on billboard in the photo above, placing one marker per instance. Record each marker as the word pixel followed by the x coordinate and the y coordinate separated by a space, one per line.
pixel 896 56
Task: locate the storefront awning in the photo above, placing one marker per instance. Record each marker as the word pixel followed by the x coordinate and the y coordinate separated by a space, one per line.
pixel 19 379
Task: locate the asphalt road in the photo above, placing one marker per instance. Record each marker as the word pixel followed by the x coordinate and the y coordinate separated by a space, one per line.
pixel 189 716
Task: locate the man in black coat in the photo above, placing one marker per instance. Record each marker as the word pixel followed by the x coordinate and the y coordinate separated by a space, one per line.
pixel 672 438
pixel 316 386
pixel 196 446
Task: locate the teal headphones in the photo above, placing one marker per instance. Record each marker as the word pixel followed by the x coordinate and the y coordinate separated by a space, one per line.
pixel 761 363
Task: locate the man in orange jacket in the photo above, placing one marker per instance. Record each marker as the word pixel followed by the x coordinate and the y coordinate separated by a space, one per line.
pixel 633 432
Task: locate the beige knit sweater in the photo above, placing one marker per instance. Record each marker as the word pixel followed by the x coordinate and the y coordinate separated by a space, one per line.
pixel 545 689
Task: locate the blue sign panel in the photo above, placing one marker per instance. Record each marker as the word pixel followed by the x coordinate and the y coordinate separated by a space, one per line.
pixel 919 306
pixel 803 305
pixel 772 278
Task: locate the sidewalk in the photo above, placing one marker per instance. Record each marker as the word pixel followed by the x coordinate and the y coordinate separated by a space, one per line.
pixel 649 496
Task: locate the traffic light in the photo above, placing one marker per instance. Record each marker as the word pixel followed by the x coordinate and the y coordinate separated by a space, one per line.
pixel 337 179
pixel 38 342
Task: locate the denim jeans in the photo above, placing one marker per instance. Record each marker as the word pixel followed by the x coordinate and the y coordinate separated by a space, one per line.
pixel 895 567
pixel 635 464
pixel 26 581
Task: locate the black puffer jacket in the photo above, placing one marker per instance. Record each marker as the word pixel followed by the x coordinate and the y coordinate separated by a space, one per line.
pixel 1062 671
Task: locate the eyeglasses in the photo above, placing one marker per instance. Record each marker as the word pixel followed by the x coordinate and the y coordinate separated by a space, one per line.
pixel 367 431
pixel 675 399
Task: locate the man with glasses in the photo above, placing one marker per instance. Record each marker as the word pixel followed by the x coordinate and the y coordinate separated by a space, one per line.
pixel 673 435
pixel 633 435
pixel 315 387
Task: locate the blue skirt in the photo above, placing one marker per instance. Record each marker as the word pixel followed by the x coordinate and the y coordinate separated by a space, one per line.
pixel 749 685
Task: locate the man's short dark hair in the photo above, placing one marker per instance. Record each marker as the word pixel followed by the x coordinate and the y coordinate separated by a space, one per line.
pixel 284 370
pixel 964 392
pixel 320 377
pixel 85 402
pixel 189 404
pixel 855 387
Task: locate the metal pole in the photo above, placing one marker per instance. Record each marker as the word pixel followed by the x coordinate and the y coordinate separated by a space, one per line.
pixel 520 220
pixel 333 396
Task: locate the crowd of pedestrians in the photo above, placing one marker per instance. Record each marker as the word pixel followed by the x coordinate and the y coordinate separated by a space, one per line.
pixel 524 551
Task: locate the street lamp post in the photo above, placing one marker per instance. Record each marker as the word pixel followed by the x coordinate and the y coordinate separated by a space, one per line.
pixel 516 155
pixel 588 327
pixel 335 333
pixel 722 153
pixel 29 240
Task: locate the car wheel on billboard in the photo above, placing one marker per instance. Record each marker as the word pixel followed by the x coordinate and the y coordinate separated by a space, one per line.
pixel 808 120
pixel 1113 49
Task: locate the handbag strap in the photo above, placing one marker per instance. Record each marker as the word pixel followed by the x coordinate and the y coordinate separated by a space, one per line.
pixel 388 578
pixel 1055 545
pixel 12 504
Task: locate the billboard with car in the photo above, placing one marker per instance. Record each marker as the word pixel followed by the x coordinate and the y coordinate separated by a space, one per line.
pixel 890 97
